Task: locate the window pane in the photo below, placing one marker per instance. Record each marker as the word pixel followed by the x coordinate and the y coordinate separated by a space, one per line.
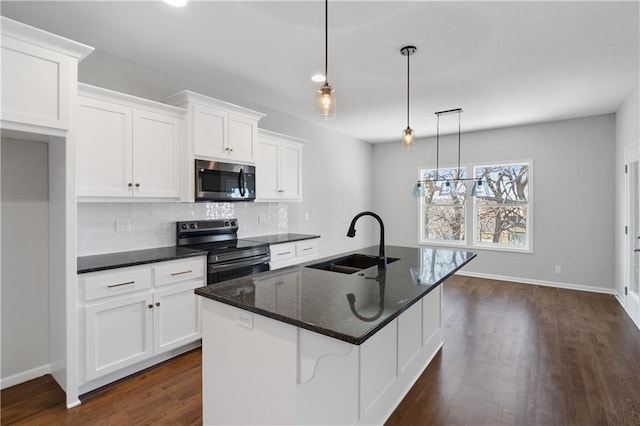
pixel 507 184
pixel 444 222
pixel 502 225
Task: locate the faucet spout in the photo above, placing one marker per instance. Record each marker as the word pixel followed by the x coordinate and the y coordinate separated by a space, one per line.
pixel 382 256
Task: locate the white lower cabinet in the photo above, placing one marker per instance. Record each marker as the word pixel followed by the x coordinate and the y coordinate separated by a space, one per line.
pixel 118 334
pixel 130 315
pixel 292 253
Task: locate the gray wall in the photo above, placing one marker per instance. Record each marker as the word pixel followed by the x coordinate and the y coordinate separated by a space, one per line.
pixel 573 197
pixel 337 169
pixel 25 256
pixel 627 135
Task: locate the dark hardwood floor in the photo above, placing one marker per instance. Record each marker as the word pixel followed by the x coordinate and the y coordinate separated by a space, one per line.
pixel 514 354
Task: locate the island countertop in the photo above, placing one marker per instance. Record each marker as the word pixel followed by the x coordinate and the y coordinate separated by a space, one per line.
pixel 348 307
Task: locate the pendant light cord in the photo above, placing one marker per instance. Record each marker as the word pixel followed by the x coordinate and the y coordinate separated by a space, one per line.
pixel 459 143
pixel 408 55
pixel 326 41
pixel 438 148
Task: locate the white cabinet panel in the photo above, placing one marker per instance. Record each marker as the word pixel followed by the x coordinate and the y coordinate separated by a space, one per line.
pixel 409 336
pixel 176 316
pixel 279 167
pixel 242 138
pixel 176 271
pixel 104 149
pixel 209 131
pixel 97 285
pixel 118 334
pixel 156 154
pixel 39 74
pixel 287 254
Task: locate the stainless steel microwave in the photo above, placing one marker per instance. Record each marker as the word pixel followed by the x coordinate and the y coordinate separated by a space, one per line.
pixel 218 181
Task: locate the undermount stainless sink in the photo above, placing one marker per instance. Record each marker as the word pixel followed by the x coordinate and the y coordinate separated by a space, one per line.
pixel 350 264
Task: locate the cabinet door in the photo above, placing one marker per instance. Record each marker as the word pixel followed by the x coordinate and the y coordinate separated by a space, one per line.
pixel 290 171
pixel 176 316
pixel 156 155
pixel 118 334
pixel 210 132
pixel 267 186
pixel 242 138
pixel 35 84
pixel 104 149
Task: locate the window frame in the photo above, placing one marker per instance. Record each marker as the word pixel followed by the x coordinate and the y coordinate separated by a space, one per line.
pixel 472 210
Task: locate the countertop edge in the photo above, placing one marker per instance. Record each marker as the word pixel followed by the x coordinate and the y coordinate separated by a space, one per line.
pixel 195 253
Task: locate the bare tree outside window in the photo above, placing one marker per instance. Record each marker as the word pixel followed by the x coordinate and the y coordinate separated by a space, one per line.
pixel 502 214
pixel 444 207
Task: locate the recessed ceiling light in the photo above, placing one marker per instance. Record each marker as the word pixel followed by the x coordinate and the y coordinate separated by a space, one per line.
pixel 176 3
pixel 318 78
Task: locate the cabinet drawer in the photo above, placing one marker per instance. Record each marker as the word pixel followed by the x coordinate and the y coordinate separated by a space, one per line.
pixel 306 248
pixel 178 270
pixel 105 284
pixel 281 252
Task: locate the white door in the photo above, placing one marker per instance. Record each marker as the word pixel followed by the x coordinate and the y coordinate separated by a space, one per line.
pixel 632 298
pixel 156 155
pixel 210 132
pixel 290 171
pixel 242 138
pixel 176 320
pixel 118 333
pixel 267 180
pixel 104 149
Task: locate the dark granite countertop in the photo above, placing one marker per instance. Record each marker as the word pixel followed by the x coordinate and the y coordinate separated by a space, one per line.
pixel 281 238
pixel 101 262
pixel 349 307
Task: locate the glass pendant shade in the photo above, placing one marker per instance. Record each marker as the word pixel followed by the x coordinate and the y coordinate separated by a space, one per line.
pixel 326 102
pixel 479 188
pixel 408 138
pixel 419 189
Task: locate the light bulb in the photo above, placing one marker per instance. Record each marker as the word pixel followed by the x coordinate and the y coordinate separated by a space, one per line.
pixel 408 138
pixel 176 3
pixel 326 102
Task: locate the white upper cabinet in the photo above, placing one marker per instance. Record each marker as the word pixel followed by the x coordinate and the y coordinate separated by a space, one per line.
pixel 127 147
pixel 279 167
pixel 219 130
pixel 39 77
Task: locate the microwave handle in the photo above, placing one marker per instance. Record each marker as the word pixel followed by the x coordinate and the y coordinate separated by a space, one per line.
pixel 242 182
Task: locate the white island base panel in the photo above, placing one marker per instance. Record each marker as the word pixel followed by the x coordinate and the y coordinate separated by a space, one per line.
pixel 256 370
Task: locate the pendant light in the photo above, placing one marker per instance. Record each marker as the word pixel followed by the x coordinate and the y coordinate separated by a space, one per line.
pixel 428 186
pixel 408 136
pixel 326 100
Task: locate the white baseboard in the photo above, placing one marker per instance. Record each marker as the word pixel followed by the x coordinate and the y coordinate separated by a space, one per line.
pixel 568 286
pixel 25 376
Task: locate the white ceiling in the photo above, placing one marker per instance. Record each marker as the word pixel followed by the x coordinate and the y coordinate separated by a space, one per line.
pixel 504 63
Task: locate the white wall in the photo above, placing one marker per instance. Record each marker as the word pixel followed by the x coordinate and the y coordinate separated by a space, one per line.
pixel 25 262
pixel 337 171
pixel 572 189
pixel 627 134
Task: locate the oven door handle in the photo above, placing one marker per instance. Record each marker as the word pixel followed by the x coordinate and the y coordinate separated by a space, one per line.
pixel 220 267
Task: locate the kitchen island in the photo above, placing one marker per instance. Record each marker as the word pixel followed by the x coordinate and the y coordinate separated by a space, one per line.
pixel 304 345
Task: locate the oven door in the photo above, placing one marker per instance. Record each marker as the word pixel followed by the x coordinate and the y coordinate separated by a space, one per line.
pixel 219 272
pixel 218 181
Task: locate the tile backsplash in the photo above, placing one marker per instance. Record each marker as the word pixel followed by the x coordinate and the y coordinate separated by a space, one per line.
pixel 149 225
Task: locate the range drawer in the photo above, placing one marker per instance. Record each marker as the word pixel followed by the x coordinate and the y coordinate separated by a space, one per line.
pixel 179 270
pixel 112 283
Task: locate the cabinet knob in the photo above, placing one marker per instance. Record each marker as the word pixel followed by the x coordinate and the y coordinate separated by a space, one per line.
pixel 157 303
pixel 150 306
pixel 129 184
pixel 137 185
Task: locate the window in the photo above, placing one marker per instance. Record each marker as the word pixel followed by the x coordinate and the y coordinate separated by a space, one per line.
pixel 497 218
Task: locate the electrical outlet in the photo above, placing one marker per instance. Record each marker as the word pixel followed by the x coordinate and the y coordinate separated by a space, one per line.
pixel 558 269
pixel 123 226
pixel 245 319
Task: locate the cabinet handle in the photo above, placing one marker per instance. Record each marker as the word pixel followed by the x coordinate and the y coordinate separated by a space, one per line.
pixel 307 248
pixel 150 306
pixel 230 149
pixel 137 185
pixel 157 303
pixel 129 184
pixel 180 273
pixel 121 284
pixel 282 254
